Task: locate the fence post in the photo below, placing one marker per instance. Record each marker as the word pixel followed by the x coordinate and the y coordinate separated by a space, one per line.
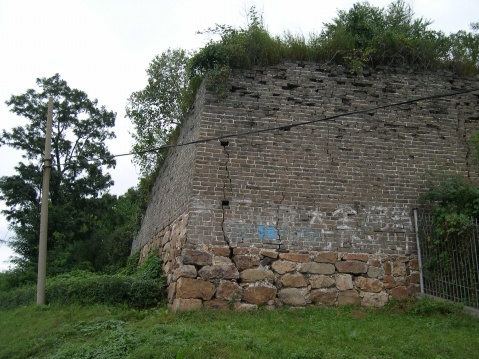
pixel 419 257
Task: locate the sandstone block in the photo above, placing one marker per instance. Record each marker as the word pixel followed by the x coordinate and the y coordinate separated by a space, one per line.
pixel 414 265
pixel 374 299
pixel 355 257
pixel 353 267
pixel 240 251
pixel 197 257
pixel 326 257
pixel 294 280
pixel 292 296
pixel 221 251
pixel 186 304
pixel 326 297
pixel 256 274
pixel 344 281
pixel 389 282
pixel 269 253
pixel 259 294
pixel 294 257
pixel 349 297
pixel 317 268
pixel 321 281
pixel 246 261
pixel 229 290
pixel 399 292
pixel 387 266
pixel 283 267
pixel 414 278
pixel 188 288
pixel 221 260
pixel 219 271
pixel 399 269
pixel 368 284
pixel 374 272
pixel 188 271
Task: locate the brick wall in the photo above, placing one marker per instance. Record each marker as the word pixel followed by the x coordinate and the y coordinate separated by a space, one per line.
pixel 345 186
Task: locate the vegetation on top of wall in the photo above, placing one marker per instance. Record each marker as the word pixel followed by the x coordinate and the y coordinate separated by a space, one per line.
pixel 363 36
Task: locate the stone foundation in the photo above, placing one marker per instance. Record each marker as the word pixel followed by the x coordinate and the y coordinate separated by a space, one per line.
pixel 223 277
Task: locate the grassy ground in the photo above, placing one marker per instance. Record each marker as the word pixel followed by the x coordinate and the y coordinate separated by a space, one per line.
pixel 116 332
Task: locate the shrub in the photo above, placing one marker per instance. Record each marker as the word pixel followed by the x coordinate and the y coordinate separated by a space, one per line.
pixel 136 286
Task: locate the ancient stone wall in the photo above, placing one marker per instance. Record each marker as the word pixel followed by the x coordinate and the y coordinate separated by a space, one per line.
pixel 171 192
pixel 312 213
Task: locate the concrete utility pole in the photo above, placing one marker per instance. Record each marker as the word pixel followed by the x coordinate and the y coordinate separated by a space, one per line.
pixel 42 249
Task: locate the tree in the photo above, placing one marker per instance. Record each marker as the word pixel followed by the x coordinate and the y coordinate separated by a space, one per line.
pixel 157 109
pixel 78 182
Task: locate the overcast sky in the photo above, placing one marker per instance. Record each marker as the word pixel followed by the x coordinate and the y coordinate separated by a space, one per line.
pixel 103 47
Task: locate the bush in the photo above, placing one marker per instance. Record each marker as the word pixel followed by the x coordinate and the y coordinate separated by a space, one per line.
pixel 106 289
pixel 136 286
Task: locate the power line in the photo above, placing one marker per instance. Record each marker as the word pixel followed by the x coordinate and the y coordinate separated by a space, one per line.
pixel 287 127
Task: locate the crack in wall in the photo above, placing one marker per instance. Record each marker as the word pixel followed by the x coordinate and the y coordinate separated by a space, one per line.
pixel 277 219
pixel 225 201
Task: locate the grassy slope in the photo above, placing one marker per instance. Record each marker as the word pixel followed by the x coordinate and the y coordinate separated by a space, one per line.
pixel 114 332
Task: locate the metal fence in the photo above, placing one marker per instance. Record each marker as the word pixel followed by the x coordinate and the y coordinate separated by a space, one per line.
pixel 450 267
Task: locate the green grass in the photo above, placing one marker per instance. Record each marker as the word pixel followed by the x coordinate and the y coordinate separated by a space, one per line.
pixel 401 331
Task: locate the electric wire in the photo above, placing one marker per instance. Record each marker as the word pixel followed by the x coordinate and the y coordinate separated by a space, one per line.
pixel 292 125
pixel 289 126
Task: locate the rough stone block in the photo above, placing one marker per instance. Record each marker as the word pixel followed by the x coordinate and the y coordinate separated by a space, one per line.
pixel 256 274
pixel 374 299
pixel 399 269
pixel 292 296
pixel 188 271
pixel 399 292
pixel 349 297
pixel 221 251
pixel 295 257
pixel 388 269
pixel 197 257
pixel 269 253
pixel 326 257
pixel 414 264
pixel 414 278
pixel 219 271
pixel 188 288
pixel 344 281
pixel 259 294
pixel 355 257
pixel 294 280
pixel 317 268
pixel 389 282
pixel 229 291
pixel 353 267
pixel 374 272
pixel 283 267
pixel 325 297
pixel 246 261
pixel 221 260
pixel 368 284
pixel 321 281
